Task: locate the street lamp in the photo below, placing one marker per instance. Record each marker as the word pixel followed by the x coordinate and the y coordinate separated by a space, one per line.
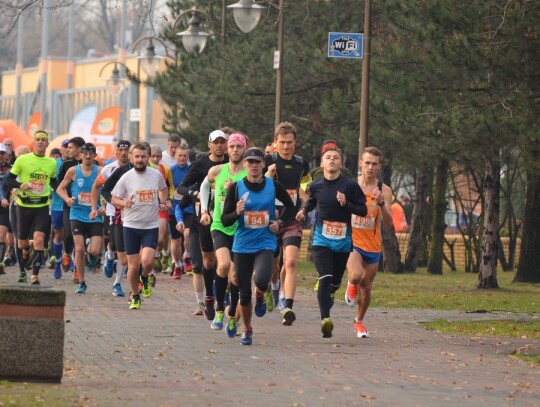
pixel 115 84
pixel 246 14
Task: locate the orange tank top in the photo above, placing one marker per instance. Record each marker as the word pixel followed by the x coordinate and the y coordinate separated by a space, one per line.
pixel 366 230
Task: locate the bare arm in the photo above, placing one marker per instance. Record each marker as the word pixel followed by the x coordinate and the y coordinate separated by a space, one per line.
pixel 62 188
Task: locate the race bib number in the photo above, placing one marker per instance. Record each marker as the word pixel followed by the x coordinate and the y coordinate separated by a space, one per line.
pixel 334 230
pixel 37 187
pixel 83 199
pixel 256 219
pixel 360 222
pixel 146 197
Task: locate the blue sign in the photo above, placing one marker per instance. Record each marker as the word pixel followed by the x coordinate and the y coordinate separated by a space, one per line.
pixel 345 45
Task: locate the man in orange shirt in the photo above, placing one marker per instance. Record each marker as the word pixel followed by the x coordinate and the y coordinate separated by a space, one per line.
pixel 366 236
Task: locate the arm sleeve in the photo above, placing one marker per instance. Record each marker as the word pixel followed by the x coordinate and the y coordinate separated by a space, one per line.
pixel 178 214
pixel 282 195
pixel 357 202
pixel 205 194
pixel 229 215
pixel 11 181
pixel 53 184
pixel 106 190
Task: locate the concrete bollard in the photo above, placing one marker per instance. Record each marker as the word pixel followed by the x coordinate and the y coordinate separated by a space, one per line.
pixel 32 333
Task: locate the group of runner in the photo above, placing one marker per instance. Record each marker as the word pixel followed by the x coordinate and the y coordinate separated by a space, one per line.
pixel 233 218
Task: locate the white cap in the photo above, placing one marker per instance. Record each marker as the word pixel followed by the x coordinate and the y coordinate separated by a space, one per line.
pixel 3 148
pixel 215 135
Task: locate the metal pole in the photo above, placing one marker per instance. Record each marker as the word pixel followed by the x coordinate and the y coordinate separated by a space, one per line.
pixel 19 68
pixel 70 62
pixel 279 74
pixel 122 59
pixel 223 26
pixel 44 62
pixel 364 103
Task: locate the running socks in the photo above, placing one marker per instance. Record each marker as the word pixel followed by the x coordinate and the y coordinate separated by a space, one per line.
pixel 221 287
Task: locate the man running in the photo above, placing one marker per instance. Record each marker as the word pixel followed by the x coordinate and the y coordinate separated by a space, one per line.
pixel 222 176
pixel 366 237
pixel 4 205
pixel 140 193
pixel 291 171
pixel 37 175
pixel 79 180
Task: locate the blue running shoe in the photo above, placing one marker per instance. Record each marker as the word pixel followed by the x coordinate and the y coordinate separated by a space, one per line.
pixel 281 303
pixel 108 267
pixel 117 290
pixel 260 305
pixel 57 274
pixel 232 327
pixel 81 288
pixel 217 323
pixel 247 337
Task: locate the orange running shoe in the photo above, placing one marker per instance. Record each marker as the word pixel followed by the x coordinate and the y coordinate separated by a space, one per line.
pixel 350 294
pixel 65 262
pixel 360 330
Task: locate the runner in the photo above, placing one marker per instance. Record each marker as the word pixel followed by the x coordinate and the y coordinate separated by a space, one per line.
pixel 4 205
pixel 139 193
pixel 173 143
pixel 336 197
pixel 251 203
pixel 116 243
pixel 79 180
pixel 366 236
pixel 222 176
pixel 291 171
pixel 217 144
pixel 37 174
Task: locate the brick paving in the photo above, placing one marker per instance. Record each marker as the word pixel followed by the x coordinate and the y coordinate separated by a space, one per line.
pixel 162 355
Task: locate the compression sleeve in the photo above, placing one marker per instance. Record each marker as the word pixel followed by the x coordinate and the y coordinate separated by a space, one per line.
pixel 205 194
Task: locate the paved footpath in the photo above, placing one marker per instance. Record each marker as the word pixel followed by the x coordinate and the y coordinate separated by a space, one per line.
pixel 162 355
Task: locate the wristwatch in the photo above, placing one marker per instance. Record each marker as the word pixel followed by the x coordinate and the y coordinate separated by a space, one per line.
pixel 280 222
pixel 381 203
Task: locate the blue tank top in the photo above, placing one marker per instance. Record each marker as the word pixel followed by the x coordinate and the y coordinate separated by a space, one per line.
pixel 80 190
pixel 252 233
pixel 57 204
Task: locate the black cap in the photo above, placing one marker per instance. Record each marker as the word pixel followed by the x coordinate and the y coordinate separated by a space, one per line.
pixel 123 143
pixel 88 147
pixel 254 153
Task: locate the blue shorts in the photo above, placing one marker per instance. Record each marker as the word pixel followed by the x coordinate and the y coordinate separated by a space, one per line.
pixel 135 239
pixel 368 257
pixel 57 219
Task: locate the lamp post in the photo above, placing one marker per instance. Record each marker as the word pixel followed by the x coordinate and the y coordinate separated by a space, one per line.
pixel 364 100
pixel 149 62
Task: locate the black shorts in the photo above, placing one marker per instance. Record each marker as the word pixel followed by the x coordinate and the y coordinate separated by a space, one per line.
pixel 205 238
pixel 135 239
pixel 119 238
pixel 4 217
pixel 36 219
pixel 87 229
pixel 222 240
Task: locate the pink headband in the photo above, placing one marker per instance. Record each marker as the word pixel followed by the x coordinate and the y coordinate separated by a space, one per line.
pixel 239 138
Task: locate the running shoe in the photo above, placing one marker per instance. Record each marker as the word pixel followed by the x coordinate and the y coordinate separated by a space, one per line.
pixel 209 311
pixel 188 266
pixel 247 336
pixel 34 280
pixel 2 269
pixel 108 268
pixel 217 323
pixel 75 276
pixel 152 279
pixel 7 261
pixel 327 326
pixel 135 302
pixel 146 288
pixel 200 309
pixel 66 262
pixel 260 304
pixel 232 327
pixel 269 298
pixel 158 268
pixel 117 290
pixel 281 303
pixel 177 273
pixel 57 273
pixel 350 294
pixel 288 316
pixel 52 262
pixel 360 330
pixel 22 278
pixel 81 288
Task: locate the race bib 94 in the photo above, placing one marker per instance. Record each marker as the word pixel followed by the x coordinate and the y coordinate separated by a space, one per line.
pixel 256 219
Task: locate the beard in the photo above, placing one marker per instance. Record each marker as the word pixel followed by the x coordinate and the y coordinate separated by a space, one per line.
pixel 139 167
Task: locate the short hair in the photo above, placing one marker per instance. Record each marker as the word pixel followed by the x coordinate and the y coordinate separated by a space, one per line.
pixel 285 128
pixel 140 146
pixel 155 147
pixel 55 151
pixel 182 147
pixel 373 151
pixel 228 130
pixel 174 138
pixel 77 141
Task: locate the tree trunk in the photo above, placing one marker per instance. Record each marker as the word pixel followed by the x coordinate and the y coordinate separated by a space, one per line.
pixel 390 244
pixel 529 260
pixel 487 277
pixel 416 233
pixel 438 225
